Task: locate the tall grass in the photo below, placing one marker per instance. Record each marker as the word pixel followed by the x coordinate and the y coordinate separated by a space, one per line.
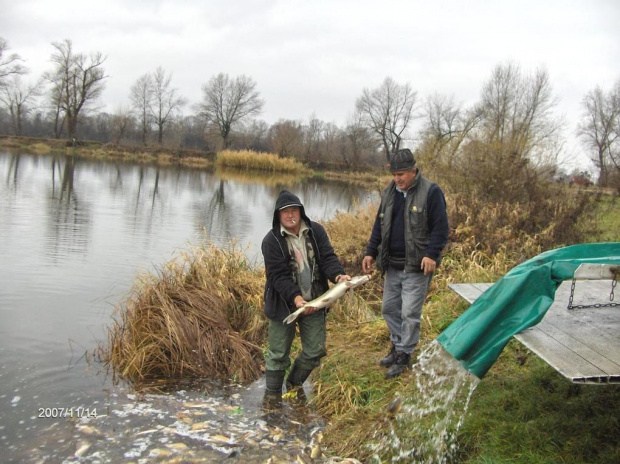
pixel 198 316
pixel 608 217
pixel 252 160
pixel 270 179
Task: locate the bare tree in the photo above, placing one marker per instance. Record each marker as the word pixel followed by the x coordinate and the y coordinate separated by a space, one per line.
pixel 17 98
pixel 388 110
pixel 228 101
pixel 81 81
pixel 446 127
pixel 286 138
pixel 517 113
pixel 330 142
pixel 361 141
pixel 312 138
pixel 254 135
pixel 56 98
pixel 517 142
pixel 121 122
pixel 141 94
pixel 165 100
pixel 9 64
pixel 600 129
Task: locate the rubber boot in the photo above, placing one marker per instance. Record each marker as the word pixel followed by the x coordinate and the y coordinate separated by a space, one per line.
pixel 272 399
pixel 297 377
pixel 272 402
pixel 273 381
pixel 390 358
pixel 400 365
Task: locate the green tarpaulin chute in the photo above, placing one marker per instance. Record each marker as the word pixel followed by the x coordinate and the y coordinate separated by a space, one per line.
pixel 517 301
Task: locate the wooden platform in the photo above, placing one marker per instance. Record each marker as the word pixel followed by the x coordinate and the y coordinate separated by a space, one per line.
pixel 582 344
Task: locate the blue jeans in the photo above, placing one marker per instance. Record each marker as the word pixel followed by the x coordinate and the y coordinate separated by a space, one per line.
pixel 403 296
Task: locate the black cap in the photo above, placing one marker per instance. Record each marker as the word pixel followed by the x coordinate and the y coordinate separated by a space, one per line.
pixel 402 160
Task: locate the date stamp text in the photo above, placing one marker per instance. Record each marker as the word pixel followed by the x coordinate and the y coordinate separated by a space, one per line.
pixel 66 413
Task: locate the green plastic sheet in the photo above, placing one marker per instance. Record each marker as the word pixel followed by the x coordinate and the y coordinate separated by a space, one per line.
pixel 517 301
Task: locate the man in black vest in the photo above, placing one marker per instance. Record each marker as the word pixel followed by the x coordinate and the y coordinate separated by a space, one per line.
pixel 410 231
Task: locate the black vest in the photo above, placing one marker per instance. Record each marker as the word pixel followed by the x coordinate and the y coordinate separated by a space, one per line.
pixel 417 235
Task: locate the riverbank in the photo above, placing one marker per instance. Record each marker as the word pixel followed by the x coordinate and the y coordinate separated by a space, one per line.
pixel 90 149
pixel 190 158
pixel 522 411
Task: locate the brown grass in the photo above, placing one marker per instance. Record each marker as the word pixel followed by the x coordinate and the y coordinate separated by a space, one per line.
pixel 269 162
pixel 198 317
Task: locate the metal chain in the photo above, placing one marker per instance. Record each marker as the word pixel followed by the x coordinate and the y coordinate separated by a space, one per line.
pixel 614 282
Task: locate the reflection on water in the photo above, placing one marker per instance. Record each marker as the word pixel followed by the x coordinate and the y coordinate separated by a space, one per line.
pixel 74 233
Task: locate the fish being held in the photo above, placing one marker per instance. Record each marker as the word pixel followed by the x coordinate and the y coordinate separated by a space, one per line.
pixel 330 296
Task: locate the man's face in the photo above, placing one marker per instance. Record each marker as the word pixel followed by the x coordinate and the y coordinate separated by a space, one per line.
pixel 404 179
pixel 290 218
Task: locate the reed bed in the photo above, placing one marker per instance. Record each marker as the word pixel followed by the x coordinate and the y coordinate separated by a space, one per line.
pixel 197 317
pixel 268 179
pixel 269 162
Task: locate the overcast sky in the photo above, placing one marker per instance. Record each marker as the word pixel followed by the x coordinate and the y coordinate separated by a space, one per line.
pixel 317 56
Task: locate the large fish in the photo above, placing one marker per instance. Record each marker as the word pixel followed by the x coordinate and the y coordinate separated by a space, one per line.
pixel 331 295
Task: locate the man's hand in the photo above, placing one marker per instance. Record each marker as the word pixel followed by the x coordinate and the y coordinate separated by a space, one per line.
pixel 299 302
pixel 342 277
pixel 428 265
pixel 368 264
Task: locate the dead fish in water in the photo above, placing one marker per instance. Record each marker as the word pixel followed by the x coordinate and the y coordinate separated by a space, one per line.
pixel 82 447
pixel 177 446
pixel 395 406
pixel 330 296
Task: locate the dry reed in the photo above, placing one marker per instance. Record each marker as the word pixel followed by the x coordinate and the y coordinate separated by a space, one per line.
pixel 269 162
pixel 198 317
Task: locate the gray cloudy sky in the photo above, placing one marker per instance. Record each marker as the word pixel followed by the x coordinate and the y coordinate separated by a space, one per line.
pixel 317 56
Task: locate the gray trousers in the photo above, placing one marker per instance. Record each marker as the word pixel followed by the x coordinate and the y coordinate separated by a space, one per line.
pixel 312 331
pixel 403 296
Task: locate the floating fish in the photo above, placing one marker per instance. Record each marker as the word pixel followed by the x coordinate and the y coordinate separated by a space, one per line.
pixel 159 452
pixel 330 296
pixel 192 404
pixel 224 440
pixel 87 429
pixel 177 446
pixel 82 447
pixel 200 425
pixel 395 406
pixel 316 451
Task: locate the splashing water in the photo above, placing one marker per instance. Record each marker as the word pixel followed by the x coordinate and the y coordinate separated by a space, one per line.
pixel 425 428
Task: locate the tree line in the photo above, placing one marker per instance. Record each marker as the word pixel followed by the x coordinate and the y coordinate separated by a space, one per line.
pixel 514 123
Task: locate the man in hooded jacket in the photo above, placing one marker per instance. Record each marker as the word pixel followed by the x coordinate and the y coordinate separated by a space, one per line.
pixel 299 260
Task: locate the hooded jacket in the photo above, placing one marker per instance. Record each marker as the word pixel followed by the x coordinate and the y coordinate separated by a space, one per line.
pixel 280 286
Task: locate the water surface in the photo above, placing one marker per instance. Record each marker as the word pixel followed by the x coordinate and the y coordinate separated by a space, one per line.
pixel 74 234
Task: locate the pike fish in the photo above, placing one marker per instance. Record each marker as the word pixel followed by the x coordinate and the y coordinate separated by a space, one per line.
pixel 330 296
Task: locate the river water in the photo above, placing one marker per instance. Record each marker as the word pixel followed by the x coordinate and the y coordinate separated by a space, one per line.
pixel 74 233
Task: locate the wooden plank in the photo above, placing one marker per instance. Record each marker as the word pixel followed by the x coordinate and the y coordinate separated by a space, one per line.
pixel 468 291
pixel 596 328
pixel 583 344
pixel 558 355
